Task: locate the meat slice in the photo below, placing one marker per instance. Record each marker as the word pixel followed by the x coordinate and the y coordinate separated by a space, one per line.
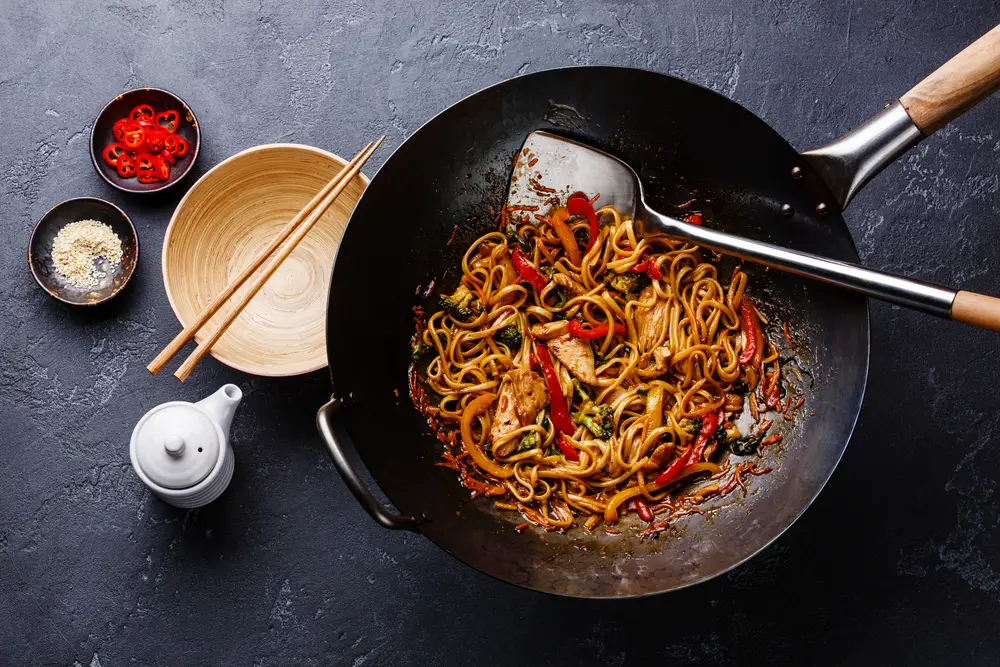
pixel 550 330
pixel 522 395
pixel 571 286
pixel 576 355
pixel 652 322
pixel 658 360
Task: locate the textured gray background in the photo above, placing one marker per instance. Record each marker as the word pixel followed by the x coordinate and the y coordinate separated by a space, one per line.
pixel 896 562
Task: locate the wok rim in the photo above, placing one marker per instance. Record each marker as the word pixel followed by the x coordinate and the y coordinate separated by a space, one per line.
pixel 801 510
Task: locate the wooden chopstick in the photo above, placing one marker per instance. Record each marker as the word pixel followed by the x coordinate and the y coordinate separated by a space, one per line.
pixel 181 339
pixel 300 232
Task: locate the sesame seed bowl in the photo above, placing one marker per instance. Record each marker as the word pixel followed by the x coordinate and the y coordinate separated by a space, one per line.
pixel 83 251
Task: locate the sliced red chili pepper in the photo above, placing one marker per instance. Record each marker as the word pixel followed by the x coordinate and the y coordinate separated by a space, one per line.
pixel 557 402
pixel 118 129
pixel 568 450
pixel 142 111
pixel 134 138
pixel 147 176
pixel 524 268
pixel 169 120
pixel 577 330
pixel 162 167
pixel 749 320
pixel 693 219
pixel 642 509
pixel 579 204
pixel 144 162
pixel 112 153
pixel 154 140
pixel 126 166
pixel 175 145
pixel 165 154
pixel 709 425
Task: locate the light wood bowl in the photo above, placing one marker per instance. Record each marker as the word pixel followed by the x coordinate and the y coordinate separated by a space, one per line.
pixel 220 225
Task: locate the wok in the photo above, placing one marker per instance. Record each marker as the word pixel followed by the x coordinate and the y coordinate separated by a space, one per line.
pixel 447 181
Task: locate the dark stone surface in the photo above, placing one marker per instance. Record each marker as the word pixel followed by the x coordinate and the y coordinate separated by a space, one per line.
pixel 896 562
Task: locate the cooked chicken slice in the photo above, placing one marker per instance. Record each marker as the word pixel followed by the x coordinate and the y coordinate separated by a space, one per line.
pixel 658 360
pixel 522 395
pixel 659 456
pixel 571 286
pixel 550 330
pixel 651 323
pixel 576 355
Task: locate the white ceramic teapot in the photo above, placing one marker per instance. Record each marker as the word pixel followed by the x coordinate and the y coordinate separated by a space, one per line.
pixel 181 450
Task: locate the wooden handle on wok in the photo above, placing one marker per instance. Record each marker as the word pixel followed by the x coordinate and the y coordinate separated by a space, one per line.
pixel 978 310
pixel 956 86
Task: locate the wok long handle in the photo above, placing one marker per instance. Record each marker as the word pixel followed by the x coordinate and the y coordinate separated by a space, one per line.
pixel 324 422
pixel 957 86
pixel 968 307
pixel 850 161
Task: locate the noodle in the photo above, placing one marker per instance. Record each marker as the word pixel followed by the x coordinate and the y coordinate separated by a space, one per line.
pixel 650 393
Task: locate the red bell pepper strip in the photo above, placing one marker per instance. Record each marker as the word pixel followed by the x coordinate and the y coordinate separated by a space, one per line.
pixel 693 219
pixel 567 449
pixel 557 402
pixel 674 469
pixel 579 204
pixel 526 270
pixel 709 425
pixel 649 268
pixel 642 509
pixel 577 330
pixel 749 320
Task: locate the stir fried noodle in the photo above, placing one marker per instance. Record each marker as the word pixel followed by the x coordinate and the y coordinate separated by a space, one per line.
pixel 579 371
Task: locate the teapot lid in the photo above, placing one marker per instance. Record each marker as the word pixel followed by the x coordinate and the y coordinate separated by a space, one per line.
pixel 176 445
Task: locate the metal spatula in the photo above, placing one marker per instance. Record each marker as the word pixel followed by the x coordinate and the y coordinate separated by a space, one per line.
pixel 569 166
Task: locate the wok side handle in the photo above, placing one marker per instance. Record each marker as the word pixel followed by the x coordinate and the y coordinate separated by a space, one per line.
pixel 324 422
pixel 957 86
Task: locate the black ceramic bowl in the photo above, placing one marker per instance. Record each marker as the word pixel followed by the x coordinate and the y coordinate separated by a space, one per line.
pixel 161 100
pixel 60 215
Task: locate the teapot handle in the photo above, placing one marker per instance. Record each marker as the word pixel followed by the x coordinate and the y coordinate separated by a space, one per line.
pixel 324 422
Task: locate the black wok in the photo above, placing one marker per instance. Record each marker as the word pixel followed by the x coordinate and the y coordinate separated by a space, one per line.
pixel 685 141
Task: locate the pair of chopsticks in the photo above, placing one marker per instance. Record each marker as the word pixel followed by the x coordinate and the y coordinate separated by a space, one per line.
pixel 297 228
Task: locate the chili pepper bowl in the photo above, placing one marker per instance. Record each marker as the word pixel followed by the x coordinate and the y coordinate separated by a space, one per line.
pixel 73 210
pixel 229 216
pixel 101 135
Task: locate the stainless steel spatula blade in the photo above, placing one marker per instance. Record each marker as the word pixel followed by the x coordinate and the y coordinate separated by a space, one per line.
pixel 547 161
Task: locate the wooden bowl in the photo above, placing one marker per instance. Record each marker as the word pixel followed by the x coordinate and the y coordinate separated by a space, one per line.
pixel 73 210
pixel 161 100
pixel 220 225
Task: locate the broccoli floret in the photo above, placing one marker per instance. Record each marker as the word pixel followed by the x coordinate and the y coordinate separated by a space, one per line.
pixel 510 336
pixel 597 419
pixel 419 350
pixel 529 441
pixel 582 391
pixel 745 446
pixel 514 239
pixel 629 284
pixel 691 426
pixel 461 305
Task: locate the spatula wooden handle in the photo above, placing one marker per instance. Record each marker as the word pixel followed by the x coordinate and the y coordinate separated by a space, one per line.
pixel 978 310
pixel 956 86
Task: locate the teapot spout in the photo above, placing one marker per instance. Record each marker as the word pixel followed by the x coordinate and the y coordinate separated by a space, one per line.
pixel 222 405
